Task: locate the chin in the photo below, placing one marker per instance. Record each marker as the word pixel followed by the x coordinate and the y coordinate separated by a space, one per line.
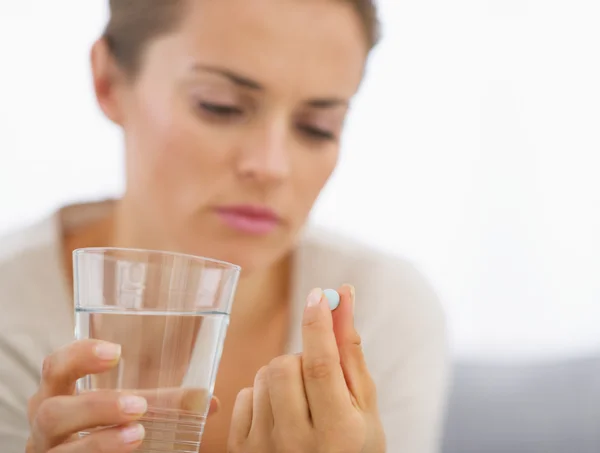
pixel 251 254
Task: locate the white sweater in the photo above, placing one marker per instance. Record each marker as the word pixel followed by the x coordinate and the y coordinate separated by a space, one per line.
pixel 398 315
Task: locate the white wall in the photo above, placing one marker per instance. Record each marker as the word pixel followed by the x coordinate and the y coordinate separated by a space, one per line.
pixel 476 137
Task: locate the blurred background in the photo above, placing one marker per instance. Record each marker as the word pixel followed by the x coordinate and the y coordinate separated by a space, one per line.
pixel 472 150
pixel 476 137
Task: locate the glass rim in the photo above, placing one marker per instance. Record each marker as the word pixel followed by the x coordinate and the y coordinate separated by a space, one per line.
pixel 195 258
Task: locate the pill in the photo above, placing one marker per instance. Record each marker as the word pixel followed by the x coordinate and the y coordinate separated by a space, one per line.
pixel 333 298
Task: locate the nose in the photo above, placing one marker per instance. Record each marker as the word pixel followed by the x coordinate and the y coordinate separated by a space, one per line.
pixel 265 153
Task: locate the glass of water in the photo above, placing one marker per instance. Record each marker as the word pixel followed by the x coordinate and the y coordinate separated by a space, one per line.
pixel 169 312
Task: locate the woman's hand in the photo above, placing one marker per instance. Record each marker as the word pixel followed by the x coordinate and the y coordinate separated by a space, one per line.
pixel 56 415
pixel 321 401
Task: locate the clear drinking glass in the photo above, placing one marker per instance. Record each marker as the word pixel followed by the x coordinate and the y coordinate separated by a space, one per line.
pixel 169 312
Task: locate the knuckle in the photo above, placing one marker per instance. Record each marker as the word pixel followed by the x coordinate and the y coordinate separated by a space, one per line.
pixel 355 339
pixel 48 368
pixel 58 366
pixel 319 368
pixel 262 375
pixel 95 402
pixel 284 367
pixel 247 391
pixel 313 323
pixel 32 406
pixel 47 417
pixel 246 394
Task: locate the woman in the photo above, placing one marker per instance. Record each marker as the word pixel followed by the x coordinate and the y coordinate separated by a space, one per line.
pixel 231 113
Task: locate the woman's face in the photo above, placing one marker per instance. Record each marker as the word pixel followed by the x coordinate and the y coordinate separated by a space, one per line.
pixel 232 126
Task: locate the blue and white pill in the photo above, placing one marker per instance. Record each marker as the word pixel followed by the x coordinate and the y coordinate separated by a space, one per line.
pixel 333 298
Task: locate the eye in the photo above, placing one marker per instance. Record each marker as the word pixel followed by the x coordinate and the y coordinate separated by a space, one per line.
pixel 316 133
pixel 220 110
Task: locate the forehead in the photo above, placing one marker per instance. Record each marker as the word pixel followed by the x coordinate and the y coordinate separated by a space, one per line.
pixel 302 45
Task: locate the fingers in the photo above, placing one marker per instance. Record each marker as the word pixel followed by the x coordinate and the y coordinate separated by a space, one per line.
pixel 324 381
pixel 80 358
pixel 352 358
pixel 286 391
pixel 262 414
pixel 241 419
pixel 113 440
pixel 277 397
pixel 61 369
pixel 55 414
pixel 185 399
pixel 60 417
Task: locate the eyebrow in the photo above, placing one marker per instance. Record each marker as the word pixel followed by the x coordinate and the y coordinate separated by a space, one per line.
pixel 232 76
pixel 245 82
pixel 328 103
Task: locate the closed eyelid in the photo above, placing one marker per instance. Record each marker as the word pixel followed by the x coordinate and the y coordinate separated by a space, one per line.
pixel 323 121
pixel 214 93
pixel 217 98
pixel 324 125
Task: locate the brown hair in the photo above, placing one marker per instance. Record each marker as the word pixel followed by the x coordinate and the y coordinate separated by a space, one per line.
pixel 134 23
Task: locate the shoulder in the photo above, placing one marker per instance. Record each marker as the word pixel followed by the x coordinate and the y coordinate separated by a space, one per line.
pixel 25 256
pixel 32 322
pixel 32 288
pixel 16 243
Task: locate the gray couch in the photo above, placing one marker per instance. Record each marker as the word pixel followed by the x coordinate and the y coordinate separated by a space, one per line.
pixel 517 408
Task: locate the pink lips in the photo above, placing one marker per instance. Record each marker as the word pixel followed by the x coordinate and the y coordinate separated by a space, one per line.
pixel 249 219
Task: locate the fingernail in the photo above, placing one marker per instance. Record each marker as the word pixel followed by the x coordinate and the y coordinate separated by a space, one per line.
pixel 194 400
pixel 133 405
pixel 314 297
pixel 215 405
pixel 333 298
pixel 352 295
pixel 133 434
pixel 108 351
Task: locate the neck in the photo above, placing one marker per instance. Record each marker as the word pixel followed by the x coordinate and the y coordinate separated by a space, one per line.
pixel 262 294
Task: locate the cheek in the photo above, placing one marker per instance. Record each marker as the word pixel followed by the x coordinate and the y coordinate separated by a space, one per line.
pixel 311 177
pixel 175 157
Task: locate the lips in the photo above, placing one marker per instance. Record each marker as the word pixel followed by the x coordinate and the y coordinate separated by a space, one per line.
pixel 249 219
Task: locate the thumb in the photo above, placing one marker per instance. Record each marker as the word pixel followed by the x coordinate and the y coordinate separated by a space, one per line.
pixel 352 358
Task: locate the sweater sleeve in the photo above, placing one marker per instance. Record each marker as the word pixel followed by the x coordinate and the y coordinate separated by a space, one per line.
pixel 18 381
pixel 34 321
